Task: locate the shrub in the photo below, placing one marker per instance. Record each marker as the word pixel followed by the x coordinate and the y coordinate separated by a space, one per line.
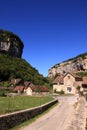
pixel 62 92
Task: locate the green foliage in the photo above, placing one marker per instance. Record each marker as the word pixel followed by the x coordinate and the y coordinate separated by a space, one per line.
pixel 3 92
pixel 49 83
pixel 59 92
pixel 82 74
pixel 55 91
pixel 11 67
pixel 83 56
pixel 62 92
pixel 56 75
pixel 4 35
pixel 78 88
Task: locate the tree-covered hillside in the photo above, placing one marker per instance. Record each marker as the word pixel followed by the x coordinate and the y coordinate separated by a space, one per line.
pixel 11 67
pixel 11 64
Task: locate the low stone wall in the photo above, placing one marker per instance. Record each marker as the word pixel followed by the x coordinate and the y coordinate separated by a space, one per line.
pixel 11 120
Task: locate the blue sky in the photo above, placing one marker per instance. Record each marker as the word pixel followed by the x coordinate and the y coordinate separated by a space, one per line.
pixel 52 30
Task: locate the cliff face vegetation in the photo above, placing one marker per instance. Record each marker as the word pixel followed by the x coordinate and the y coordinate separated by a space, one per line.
pixel 11 63
pixel 77 64
pixel 10 44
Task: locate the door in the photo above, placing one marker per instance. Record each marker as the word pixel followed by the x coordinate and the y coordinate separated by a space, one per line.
pixel 69 89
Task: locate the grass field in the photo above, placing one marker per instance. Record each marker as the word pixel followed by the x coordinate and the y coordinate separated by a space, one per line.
pixel 11 104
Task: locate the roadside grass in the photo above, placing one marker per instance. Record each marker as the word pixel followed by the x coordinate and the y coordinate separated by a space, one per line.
pixel 33 119
pixel 66 95
pixel 11 104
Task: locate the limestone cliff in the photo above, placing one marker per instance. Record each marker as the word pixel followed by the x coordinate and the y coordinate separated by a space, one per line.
pixel 10 44
pixel 76 64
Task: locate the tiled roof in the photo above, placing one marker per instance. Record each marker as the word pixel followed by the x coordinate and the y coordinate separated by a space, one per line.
pixel 40 88
pixel 17 88
pixel 43 89
pixel 61 77
pixel 73 74
pixel 33 88
pixel 27 83
pixel 58 79
pixel 77 78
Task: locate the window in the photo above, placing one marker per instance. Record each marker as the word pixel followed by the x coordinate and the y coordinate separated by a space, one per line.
pixel 68 77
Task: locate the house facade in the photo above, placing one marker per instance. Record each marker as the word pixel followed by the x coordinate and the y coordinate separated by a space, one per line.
pixel 67 83
pixel 27 88
pixel 30 90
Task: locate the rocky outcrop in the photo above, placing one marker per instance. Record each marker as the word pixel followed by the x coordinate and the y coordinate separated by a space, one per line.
pixel 76 64
pixel 10 44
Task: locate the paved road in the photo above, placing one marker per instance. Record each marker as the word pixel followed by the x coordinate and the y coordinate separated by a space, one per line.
pixel 57 118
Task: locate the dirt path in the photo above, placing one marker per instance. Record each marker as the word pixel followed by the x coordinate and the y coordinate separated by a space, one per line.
pixel 78 121
pixel 57 119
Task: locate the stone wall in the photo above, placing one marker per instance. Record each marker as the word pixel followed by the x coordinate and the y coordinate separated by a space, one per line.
pixel 9 121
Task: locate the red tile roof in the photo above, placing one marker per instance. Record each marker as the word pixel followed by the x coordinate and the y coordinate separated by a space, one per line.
pixel 27 83
pixel 18 88
pixel 58 79
pixel 33 88
pixel 43 89
pixel 73 74
pixel 40 88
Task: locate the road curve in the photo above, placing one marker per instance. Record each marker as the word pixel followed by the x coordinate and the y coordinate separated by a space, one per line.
pixel 58 118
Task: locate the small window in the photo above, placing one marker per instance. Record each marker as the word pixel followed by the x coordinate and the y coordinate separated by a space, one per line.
pixel 68 77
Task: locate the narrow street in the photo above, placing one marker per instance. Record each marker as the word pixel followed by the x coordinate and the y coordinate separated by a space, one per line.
pixel 58 118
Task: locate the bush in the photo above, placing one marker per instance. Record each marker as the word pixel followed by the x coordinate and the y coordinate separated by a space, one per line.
pixel 62 92
pixel 59 92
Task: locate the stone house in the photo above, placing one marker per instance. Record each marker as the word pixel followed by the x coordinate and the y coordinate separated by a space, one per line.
pixel 18 89
pixel 35 90
pixel 67 83
pixel 26 88
pixel 30 89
